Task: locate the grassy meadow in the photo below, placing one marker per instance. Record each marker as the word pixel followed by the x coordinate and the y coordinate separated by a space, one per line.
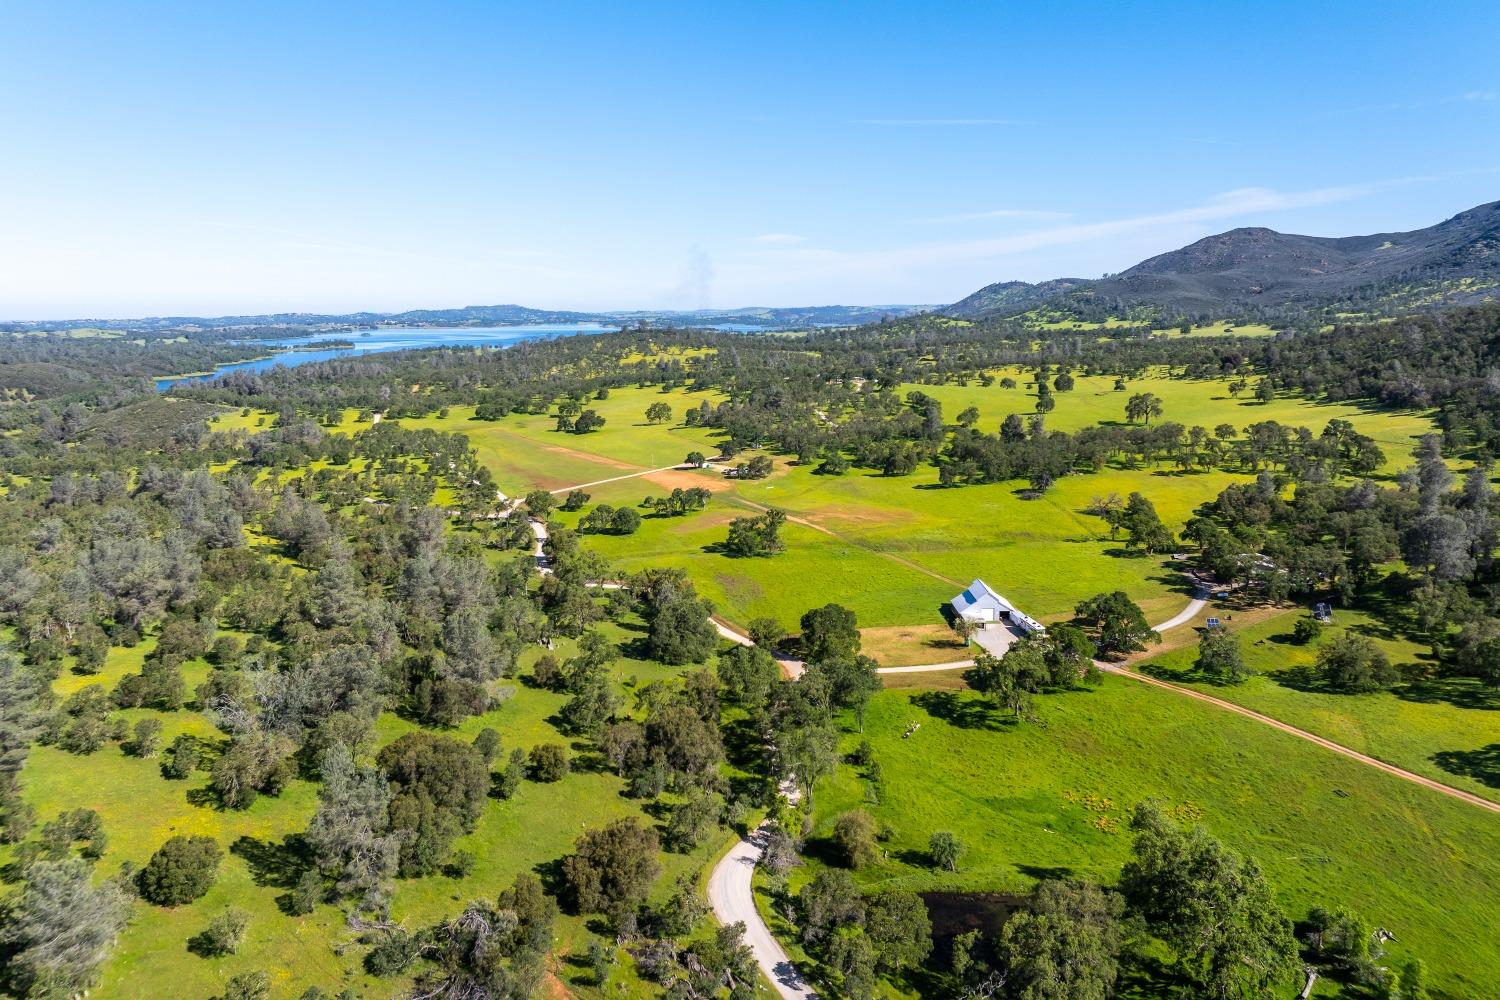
pixel 1053 800
pixel 1442 728
pixel 895 548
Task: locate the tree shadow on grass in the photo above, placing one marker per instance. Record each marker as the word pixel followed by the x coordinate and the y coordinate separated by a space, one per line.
pixel 1146 977
pixel 744 745
pixel 202 945
pixel 278 866
pixel 1045 872
pixel 1461 692
pixel 1483 765
pixel 1303 678
pixel 589 760
pixel 550 873
pixel 206 798
pixel 580 970
pixel 824 851
pixel 962 713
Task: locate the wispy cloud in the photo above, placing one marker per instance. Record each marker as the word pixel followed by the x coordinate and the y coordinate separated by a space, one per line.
pixel 1467 97
pixel 783 239
pixel 1024 214
pixel 1239 203
pixel 936 121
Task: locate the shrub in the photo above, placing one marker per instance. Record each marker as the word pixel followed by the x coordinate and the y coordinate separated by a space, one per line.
pixel 487 743
pixel 182 758
pixel 548 762
pixel 225 933
pixel 181 870
pixel 854 833
pixel 547 672
pixel 147 737
pixel 946 850
pixel 1306 630
pixel 248 986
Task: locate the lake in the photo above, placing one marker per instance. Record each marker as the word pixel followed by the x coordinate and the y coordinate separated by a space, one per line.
pixel 286 354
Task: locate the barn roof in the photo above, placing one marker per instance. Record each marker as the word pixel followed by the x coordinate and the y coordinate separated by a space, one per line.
pixel 979 594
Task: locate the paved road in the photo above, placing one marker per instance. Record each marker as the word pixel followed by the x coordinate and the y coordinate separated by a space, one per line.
pixel 733 900
pixel 1184 616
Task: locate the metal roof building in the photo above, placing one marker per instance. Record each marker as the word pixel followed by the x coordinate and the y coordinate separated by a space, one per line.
pixel 981 604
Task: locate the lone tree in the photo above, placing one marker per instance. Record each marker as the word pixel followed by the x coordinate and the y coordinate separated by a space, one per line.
pixel 1143 527
pixel 1118 624
pixel 946 850
pixel 588 420
pixel 854 833
pixel 1142 407
pixel 611 869
pixel 1354 664
pixel 539 503
pixel 756 536
pixel 658 412
pixel 1219 657
pixel 181 870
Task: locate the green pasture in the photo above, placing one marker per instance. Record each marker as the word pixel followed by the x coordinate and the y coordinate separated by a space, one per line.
pixel 1442 728
pixel 1053 800
pixel 1190 402
pixel 894 548
pixel 526 451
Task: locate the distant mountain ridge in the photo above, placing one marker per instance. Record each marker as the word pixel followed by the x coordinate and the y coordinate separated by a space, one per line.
pixel 1454 262
pixel 498 315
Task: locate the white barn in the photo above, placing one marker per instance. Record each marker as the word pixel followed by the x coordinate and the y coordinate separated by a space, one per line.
pixel 983 606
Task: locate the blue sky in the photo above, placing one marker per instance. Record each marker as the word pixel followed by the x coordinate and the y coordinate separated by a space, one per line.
pixel 217 158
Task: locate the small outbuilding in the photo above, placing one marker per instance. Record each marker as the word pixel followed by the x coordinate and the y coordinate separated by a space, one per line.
pixel 982 605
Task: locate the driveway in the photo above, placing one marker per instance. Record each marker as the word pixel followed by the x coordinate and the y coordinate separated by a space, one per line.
pixel 995 638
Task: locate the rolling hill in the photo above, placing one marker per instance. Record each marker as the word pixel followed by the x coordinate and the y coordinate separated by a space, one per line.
pixel 1256 270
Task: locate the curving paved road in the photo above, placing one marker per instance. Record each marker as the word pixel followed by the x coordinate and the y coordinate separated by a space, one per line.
pixel 733 901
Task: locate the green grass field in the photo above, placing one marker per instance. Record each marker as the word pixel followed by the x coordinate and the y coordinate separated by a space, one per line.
pixel 1447 729
pixel 140 809
pixel 1190 402
pixel 1053 800
pixel 894 549
pixel 527 452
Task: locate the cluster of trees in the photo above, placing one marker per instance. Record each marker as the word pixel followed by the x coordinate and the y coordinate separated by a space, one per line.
pixel 1426 545
pixel 1062 658
pixel 574 418
pixel 680 501
pixel 604 519
pixel 756 536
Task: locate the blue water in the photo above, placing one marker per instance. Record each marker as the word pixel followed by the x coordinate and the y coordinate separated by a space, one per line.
pixel 280 352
